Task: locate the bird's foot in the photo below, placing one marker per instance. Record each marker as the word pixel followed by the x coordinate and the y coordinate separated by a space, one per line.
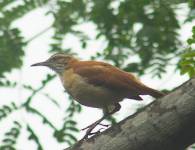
pixel 91 127
pixel 89 133
pixel 104 125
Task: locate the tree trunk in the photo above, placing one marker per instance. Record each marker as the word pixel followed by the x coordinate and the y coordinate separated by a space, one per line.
pixel 166 124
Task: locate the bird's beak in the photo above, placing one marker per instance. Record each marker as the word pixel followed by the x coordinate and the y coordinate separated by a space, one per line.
pixel 45 63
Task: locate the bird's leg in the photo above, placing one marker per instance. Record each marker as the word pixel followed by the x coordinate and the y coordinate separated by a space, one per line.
pixel 92 126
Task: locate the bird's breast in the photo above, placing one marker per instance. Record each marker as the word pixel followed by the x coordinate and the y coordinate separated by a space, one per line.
pixel 85 93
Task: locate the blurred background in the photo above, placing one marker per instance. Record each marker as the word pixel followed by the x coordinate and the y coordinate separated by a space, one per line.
pixel 154 39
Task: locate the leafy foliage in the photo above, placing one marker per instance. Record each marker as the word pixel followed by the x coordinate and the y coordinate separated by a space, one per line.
pixel 5 110
pixel 73 107
pixel 34 137
pixel 11 42
pixel 11 136
pixel 35 91
pixel 187 62
pixel 11 49
pixel 6 83
pixel 65 134
pixel 153 42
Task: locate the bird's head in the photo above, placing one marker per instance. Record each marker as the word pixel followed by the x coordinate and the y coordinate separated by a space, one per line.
pixel 57 62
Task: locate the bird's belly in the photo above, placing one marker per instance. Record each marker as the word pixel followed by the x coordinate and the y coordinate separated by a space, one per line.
pixel 92 96
pixel 88 94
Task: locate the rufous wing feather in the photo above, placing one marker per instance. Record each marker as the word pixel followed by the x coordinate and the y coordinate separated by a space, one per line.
pixel 105 75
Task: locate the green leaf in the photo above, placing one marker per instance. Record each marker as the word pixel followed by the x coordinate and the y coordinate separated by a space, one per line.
pixel 10 138
pixel 5 110
pixel 34 137
pixel 71 137
pixel 73 129
pixel 191 41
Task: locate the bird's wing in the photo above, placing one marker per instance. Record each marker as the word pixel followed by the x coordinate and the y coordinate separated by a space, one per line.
pixel 103 74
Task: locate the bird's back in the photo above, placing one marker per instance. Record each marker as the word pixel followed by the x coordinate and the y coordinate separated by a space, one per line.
pixel 108 76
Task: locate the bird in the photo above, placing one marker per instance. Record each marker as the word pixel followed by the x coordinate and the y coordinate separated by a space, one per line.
pixel 97 84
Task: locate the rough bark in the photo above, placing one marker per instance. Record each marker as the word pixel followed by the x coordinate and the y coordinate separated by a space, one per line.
pixel 166 124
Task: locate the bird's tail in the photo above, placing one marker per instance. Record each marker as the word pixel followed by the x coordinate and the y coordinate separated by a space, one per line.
pixel 154 93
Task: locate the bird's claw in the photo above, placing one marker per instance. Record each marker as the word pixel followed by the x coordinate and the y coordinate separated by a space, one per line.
pixel 90 128
pixel 91 134
pixel 104 125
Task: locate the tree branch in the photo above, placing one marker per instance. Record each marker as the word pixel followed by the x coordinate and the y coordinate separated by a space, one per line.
pixel 166 124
